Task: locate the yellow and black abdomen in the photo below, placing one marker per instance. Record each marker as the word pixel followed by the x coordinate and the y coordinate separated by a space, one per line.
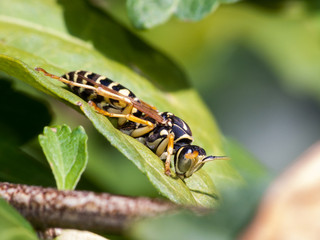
pixel 103 102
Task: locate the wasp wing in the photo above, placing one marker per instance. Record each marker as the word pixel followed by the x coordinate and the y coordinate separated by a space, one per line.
pixel 138 104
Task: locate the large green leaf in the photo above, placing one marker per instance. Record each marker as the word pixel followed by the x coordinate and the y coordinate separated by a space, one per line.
pixel 32 40
pixel 12 225
pixel 66 151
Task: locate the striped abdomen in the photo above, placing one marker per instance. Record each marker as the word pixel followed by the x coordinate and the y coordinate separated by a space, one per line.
pixel 103 102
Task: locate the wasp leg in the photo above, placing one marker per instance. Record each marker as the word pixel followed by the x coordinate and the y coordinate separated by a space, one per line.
pixel 129 117
pixel 126 110
pixel 170 152
pixel 68 82
pixel 141 131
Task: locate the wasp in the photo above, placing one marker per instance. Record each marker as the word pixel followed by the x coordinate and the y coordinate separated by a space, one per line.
pixel 164 133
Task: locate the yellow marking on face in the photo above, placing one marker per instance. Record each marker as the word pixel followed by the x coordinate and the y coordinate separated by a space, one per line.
pixel 192 155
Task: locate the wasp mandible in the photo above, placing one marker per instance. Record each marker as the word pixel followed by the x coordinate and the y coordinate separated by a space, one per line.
pixel 164 133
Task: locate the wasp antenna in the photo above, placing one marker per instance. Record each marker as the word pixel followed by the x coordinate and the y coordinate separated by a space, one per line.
pixel 39 69
pixel 50 74
pixel 212 158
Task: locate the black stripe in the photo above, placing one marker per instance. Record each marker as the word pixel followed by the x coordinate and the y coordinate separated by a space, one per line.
pixel 118 87
pixel 106 82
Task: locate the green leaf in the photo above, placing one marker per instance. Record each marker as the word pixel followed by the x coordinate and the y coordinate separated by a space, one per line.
pixel 195 9
pixel 31 43
pixel 12 225
pixel 66 152
pixel 146 14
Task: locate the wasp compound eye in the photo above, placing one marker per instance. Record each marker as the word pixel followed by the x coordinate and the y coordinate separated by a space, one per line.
pixel 182 163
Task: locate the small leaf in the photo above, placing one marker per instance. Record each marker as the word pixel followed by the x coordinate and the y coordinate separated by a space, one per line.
pixel 195 9
pixel 148 13
pixel 66 152
pixel 12 225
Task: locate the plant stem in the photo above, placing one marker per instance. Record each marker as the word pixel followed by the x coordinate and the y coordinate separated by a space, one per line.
pixel 96 212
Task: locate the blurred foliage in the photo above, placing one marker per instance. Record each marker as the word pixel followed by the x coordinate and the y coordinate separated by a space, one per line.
pixel 147 14
pixel 261 80
pixel 292 54
pixel 225 223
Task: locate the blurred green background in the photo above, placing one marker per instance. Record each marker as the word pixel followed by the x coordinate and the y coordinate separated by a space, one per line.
pixel 256 65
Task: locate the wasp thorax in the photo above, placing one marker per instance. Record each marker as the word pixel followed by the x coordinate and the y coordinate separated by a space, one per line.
pixel 179 128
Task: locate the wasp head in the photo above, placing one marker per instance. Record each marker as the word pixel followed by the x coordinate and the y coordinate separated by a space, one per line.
pixel 190 159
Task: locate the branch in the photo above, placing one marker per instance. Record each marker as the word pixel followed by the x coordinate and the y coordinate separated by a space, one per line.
pixel 101 213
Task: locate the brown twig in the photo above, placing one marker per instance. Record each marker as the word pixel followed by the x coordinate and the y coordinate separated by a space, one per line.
pixel 102 213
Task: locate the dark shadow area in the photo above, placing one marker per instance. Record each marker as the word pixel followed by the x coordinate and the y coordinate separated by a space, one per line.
pixel 22 117
pixel 114 41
